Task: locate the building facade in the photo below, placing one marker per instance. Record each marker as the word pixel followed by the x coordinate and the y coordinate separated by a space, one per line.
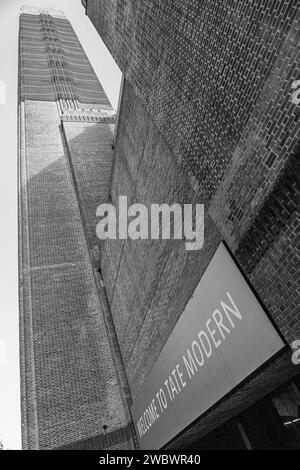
pixel 209 114
pixel 74 392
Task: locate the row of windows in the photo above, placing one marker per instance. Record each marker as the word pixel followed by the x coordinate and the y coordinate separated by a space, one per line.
pixel 37 39
pixel 54 50
pixel 72 71
pixel 44 61
pixel 42 57
pixel 37 20
pixel 59 83
pixel 55 40
pixel 71 79
pixel 62 33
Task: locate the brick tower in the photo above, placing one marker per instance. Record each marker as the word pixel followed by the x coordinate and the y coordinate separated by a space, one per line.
pixel 73 389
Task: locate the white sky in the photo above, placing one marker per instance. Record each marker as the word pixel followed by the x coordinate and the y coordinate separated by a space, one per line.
pixel 110 78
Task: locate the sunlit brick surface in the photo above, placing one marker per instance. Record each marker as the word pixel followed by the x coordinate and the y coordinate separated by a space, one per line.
pixel 91 158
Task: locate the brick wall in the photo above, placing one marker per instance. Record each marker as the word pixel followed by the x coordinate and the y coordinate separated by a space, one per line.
pixel 150 282
pixel 206 117
pixel 203 70
pixel 70 386
pixel 91 156
pixel 74 391
pixel 90 152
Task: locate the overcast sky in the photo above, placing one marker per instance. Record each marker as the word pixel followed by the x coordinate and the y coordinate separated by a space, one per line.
pixel 110 77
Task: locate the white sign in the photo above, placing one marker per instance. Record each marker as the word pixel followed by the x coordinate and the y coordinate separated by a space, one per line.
pixel 222 336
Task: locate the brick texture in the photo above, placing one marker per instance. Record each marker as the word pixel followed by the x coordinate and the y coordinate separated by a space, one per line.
pixel 207 117
pixel 208 73
pixel 73 388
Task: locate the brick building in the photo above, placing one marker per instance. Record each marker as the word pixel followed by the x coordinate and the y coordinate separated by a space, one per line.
pixel 73 391
pixel 209 114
